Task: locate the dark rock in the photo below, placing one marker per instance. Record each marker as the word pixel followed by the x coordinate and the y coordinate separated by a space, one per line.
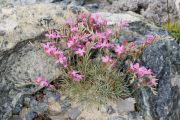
pixel 31 115
pixel 110 110
pixel 50 93
pixel 117 118
pixel 163 58
pixel 2 33
pixel 39 107
pixel 65 105
pixel 77 2
pixel 16 117
pixel 92 6
pixel 27 101
pixel 134 116
pixel 74 113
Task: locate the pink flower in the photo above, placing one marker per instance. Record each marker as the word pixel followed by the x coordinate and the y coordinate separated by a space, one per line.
pixel 108 32
pixel 70 22
pixel 97 19
pixel 80 52
pixel 62 60
pixel 84 17
pixel 119 49
pixel 44 83
pixel 104 44
pixel 152 81
pixel 76 76
pixel 140 71
pixel 106 59
pixel 49 48
pixel 149 40
pixel 53 35
pixel 101 36
pixel 72 41
pixel 123 24
pixel 41 82
pixel 74 29
pixel 93 37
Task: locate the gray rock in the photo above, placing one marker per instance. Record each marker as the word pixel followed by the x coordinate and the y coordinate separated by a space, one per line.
pixel 74 113
pixel 39 107
pixel 163 58
pixel 20 55
pixel 107 109
pixel 65 105
pixel 117 118
pixel 126 105
pixel 110 110
pixel 155 10
pixel 50 93
pixel 77 2
pixel 31 115
pixel 28 2
pixel 2 33
pixel 134 116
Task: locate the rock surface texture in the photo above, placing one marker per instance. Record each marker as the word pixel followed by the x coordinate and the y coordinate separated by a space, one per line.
pixel 22 60
pixel 156 10
pixel 21 56
pixel 163 58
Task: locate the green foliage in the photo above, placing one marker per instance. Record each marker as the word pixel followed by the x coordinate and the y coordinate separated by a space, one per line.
pixel 102 82
pixel 173 28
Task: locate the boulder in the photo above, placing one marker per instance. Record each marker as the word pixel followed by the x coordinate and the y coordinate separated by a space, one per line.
pixel 21 56
pixel 155 10
pixel 163 58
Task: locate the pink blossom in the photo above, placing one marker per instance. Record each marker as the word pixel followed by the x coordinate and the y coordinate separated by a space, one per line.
pixel 149 40
pixel 76 76
pixel 80 51
pixel 108 32
pixel 53 35
pixel 72 41
pixel 62 60
pixel 101 36
pixel 74 29
pixel 106 59
pixel 42 82
pixel 120 49
pixel 105 44
pixel 140 71
pixel 97 19
pixel 49 48
pixel 93 37
pixel 47 45
pixel 83 17
pixel 153 81
pixel 70 22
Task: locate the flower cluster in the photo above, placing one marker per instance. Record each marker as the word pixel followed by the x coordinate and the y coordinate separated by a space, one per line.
pixel 76 75
pixel 89 34
pixel 42 82
pixel 143 72
pixel 51 50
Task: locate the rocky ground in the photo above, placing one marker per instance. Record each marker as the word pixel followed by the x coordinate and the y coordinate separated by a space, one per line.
pixel 22 27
